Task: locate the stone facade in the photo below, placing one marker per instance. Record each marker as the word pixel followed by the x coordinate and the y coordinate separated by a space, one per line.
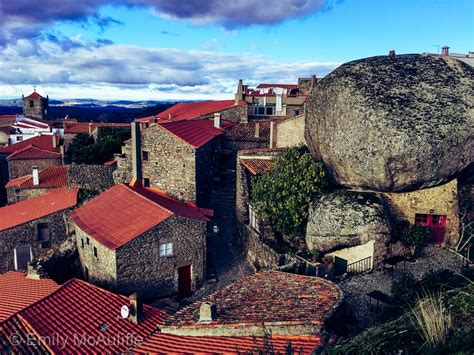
pixel 90 177
pixel 123 173
pixel 440 200
pixel 137 266
pixel 15 194
pixel 290 132
pixel 35 107
pixel 27 235
pixel 21 167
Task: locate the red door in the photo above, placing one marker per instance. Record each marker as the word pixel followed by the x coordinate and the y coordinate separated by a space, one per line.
pixel 437 225
pixel 184 280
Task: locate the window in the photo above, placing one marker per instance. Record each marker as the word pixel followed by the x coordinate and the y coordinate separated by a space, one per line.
pixel 264 110
pixel 166 249
pixel 22 256
pixel 297 112
pixel 88 241
pixel 43 235
pixel 145 156
pixel 269 110
pixel 146 182
pixel 19 138
pixel 82 243
pixel 95 252
pixel 86 273
pixel 421 219
pixel 32 103
pixel 254 223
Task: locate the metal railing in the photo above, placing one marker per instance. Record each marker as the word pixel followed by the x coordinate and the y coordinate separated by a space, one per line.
pixel 354 268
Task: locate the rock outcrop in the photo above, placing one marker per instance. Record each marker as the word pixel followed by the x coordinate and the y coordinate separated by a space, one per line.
pixel 393 123
pixel 347 218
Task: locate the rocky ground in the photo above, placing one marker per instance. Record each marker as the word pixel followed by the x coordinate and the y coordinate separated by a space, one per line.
pixel 356 288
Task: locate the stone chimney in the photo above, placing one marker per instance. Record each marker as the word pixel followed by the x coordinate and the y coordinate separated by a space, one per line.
pixel 35 175
pixel 55 142
pixel 136 153
pixel 391 53
pixel 217 120
pixel 257 130
pixel 170 116
pixel 272 134
pixel 239 96
pixel 136 308
pixel 207 312
pixel 313 82
pixel 445 50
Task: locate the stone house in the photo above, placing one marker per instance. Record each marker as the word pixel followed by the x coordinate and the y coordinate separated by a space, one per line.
pixel 135 239
pixel 73 128
pixel 35 105
pixel 28 229
pixel 180 158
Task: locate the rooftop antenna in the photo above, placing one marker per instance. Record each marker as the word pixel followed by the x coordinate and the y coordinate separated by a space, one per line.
pixel 438 46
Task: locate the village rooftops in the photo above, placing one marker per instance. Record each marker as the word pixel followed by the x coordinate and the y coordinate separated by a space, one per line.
pixel 189 111
pixel 51 177
pixel 17 291
pixel 79 318
pixel 285 303
pixel 89 127
pixel 33 152
pixel 258 165
pixel 34 208
pixel 123 213
pixel 44 142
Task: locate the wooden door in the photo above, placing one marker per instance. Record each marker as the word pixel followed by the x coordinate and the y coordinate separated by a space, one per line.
pixel 436 223
pixel 184 280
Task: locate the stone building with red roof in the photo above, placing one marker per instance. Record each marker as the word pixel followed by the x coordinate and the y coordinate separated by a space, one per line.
pixel 135 239
pixel 35 105
pixel 28 229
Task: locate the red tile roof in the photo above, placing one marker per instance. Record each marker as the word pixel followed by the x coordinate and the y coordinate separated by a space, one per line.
pixel 41 142
pixel 31 124
pixel 283 86
pixel 79 309
pixel 83 127
pixel 18 292
pixel 167 343
pixel 272 297
pixel 195 132
pixel 122 213
pixel 52 177
pixel 257 166
pixel 34 208
pixel 190 110
pixel 32 152
pixel 34 95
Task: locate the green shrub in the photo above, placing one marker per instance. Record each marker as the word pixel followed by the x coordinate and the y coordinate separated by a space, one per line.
pixel 282 195
pixel 415 235
pixel 404 289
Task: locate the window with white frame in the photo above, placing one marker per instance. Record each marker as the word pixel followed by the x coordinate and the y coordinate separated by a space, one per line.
pixel 254 223
pixel 166 249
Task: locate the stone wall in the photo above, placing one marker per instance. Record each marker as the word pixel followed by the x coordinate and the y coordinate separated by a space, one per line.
pixel 171 164
pixel 137 266
pixel 38 109
pixel 15 194
pixel 21 167
pixel 294 110
pixel 27 235
pixel 206 169
pixel 290 132
pixel 90 177
pixel 123 173
pixel 440 200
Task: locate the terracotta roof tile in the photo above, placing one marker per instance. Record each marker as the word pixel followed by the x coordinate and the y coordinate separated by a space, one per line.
pixel 195 132
pixel 52 177
pixel 122 213
pixel 37 207
pixel 18 292
pixel 79 309
pixel 34 95
pixel 83 127
pixel 257 166
pixel 41 142
pixel 167 343
pixel 190 110
pixel 32 152
pixel 271 297
pixel 283 86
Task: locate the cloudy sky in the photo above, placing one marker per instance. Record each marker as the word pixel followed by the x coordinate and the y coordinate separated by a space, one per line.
pixel 198 49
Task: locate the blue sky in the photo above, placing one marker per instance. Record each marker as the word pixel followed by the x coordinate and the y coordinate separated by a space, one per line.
pixel 147 49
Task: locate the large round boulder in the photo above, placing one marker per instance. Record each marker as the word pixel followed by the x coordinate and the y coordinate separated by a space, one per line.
pixel 393 123
pixel 348 218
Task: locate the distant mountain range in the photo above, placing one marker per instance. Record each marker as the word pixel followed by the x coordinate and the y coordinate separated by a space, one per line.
pixel 91 103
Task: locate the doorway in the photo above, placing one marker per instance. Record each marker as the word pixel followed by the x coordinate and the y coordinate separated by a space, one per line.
pixel 184 281
pixel 436 223
pixel 22 256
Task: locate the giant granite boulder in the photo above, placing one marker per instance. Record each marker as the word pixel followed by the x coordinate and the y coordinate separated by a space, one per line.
pixel 348 218
pixel 393 123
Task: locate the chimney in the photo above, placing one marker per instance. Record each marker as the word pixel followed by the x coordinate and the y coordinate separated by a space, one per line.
pixel 207 312
pixel 257 130
pixel 136 308
pixel 170 116
pixel 90 127
pixel 61 151
pixel 313 82
pixel 35 175
pixel 391 53
pixel 136 153
pixel 55 143
pixel 239 96
pixel 217 120
pixel 445 50
pixel 272 134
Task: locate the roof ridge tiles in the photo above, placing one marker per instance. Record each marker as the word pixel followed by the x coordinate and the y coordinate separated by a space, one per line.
pixel 146 198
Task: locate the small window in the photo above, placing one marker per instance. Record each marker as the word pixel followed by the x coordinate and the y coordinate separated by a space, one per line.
pixel 166 249
pixel 82 243
pixel 95 252
pixel 88 241
pixel 421 219
pixel 253 220
pixel 32 103
pixel 146 182
pixel 269 110
pixel 19 138
pixel 43 235
pixel 22 256
pixel 145 155
pixel 297 112
pixel 86 273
